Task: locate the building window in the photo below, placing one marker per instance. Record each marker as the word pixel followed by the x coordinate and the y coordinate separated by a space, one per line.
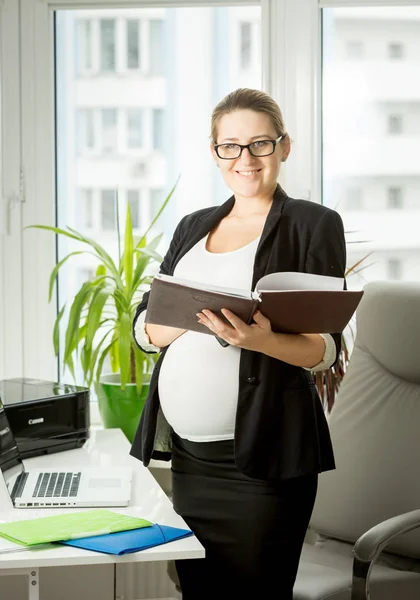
pixel 84 44
pixel 395 124
pixel 395 51
pixel 395 197
pixel 134 128
pixel 158 116
pixel 245 45
pixel 109 130
pixel 156 200
pixel 86 205
pixel 133 198
pixel 394 268
pixel 86 131
pixel 156 47
pixel 108 208
pixel 107 48
pixel 355 49
pixel 354 198
pixel 133 44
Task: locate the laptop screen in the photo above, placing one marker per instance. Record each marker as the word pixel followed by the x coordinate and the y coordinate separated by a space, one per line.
pixel 10 462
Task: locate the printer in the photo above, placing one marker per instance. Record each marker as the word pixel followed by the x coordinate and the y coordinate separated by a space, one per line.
pixel 46 416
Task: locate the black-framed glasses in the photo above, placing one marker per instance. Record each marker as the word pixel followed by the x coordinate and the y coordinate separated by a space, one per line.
pixel 258 148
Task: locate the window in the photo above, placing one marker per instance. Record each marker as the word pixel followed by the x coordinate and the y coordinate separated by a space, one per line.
pixel 395 51
pixel 84 46
pixel 109 130
pixel 394 268
pixel 108 210
pixel 107 45
pixel 354 200
pixel 246 42
pixel 133 198
pixel 158 116
pixel 355 49
pixel 133 44
pixel 86 131
pixel 371 136
pixel 137 131
pixel 395 197
pixel 156 47
pixel 134 128
pixel 395 124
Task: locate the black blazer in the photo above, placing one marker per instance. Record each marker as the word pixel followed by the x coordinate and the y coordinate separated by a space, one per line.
pixel 281 430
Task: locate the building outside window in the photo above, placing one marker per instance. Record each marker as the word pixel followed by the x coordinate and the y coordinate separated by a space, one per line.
pixel 149 116
pixel 133 198
pixel 158 118
pixel 134 128
pixel 371 136
pixel 133 43
pixel 395 197
pixel 395 51
pixel 85 130
pixel 84 49
pixel 107 45
pixel 86 205
pixel 354 198
pixel 355 49
pixel 108 210
pixel 394 269
pixel 395 124
pixel 156 47
pixel 246 44
pixel 109 130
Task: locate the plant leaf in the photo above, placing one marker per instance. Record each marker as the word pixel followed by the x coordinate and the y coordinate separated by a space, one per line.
pixel 56 331
pixel 54 272
pixel 124 342
pixel 75 316
pixel 127 259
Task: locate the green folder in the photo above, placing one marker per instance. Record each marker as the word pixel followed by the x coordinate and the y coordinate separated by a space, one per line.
pixel 69 526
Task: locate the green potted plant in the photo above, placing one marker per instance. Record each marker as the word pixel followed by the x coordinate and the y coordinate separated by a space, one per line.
pixel 100 321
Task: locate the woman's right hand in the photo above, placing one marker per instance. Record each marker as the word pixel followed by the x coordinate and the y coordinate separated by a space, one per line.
pixel 161 335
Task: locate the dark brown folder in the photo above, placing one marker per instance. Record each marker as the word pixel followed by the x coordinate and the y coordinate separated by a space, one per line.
pixel 290 311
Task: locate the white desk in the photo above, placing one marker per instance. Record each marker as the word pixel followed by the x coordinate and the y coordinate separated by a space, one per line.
pixel 107 447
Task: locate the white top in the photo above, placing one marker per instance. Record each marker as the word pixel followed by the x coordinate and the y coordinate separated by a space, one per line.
pixel 198 380
pixel 197 404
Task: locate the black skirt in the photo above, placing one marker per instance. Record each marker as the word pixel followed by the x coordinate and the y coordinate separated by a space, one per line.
pixel 252 530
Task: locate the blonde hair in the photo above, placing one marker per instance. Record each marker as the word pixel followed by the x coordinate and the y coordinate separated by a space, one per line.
pixel 248 99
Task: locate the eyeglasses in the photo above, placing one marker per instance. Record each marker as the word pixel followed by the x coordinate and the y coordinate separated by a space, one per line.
pixel 258 148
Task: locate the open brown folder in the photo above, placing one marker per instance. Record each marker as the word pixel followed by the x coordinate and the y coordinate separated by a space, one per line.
pixel 294 302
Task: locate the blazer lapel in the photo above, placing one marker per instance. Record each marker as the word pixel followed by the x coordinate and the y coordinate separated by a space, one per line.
pixel 268 235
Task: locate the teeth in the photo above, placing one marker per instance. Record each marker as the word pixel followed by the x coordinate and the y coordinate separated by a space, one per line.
pixel 247 173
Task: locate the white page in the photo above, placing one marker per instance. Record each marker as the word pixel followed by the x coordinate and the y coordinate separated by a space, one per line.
pixel 290 280
pixel 205 287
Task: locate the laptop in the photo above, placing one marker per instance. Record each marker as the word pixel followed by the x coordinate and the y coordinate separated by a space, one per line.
pixel 61 486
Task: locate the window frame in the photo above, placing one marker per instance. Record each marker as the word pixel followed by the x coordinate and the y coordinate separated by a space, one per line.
pixel 291 44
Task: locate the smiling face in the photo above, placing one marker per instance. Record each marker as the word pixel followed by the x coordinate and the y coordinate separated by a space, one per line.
pixel 250 176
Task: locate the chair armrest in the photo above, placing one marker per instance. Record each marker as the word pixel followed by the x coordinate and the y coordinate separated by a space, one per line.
pixel 370 544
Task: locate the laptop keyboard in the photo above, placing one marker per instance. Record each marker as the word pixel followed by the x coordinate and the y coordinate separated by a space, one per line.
pixel 57 485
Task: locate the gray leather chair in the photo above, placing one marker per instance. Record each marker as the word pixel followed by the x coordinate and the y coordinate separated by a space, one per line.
pixel 364 522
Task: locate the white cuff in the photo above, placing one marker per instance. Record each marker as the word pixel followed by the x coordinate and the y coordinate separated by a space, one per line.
pixel 329 354
pixel 141 336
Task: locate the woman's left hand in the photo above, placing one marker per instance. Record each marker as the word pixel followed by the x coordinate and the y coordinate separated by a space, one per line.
pixel 238 333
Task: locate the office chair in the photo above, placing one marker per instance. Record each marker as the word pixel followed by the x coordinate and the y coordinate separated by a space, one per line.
pixel 364 522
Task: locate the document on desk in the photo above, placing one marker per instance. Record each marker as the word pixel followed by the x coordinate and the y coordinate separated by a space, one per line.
pixel 7 546
pixel 69 526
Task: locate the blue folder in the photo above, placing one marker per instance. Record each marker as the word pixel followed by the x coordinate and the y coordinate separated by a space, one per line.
pixel 125 542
